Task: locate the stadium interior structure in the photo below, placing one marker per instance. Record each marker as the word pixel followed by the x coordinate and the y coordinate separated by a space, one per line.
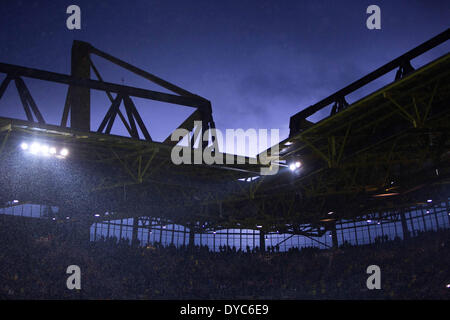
pixel 374 169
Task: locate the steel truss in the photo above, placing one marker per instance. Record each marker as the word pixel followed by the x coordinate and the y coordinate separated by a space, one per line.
pixel 394 141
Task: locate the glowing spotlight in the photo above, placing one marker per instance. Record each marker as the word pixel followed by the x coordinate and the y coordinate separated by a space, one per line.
pixel 259 226
pixel 15 201
pixel 448 286
pixel 292 167
pixel 34 149
pixel 298 164
pixel 331 212
pixel 96 215
pixel 429 200
pixel 44 149
pixel 37 148
pixel 64 152
pixel 369 221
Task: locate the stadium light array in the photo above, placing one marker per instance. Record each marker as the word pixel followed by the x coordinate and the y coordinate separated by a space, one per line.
pixel 295 165
pixel 37 148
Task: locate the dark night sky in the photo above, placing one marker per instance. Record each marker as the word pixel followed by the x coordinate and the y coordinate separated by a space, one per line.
pixel 258 62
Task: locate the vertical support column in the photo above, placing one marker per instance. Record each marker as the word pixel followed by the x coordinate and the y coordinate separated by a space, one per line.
pixel 80 98
pixel 334 235
pixel 406 234
pixel 191 237
pixel 262 241
pixel 134 238
pixel 228 237
pixel 172 240
pixel 240 239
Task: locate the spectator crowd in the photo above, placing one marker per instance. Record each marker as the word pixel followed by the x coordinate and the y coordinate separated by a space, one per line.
pixel 32 268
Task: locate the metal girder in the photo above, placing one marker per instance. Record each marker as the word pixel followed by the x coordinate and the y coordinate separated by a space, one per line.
pixel 79 100
pixel 28 103
pixel 14 70
pixel 401 62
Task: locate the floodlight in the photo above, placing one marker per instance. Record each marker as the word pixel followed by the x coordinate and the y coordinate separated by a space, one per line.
pixel 24 146
pixel 298 164
pixel 64 152
pixel 44 149
pixel 292 167
pixel 35 147
pixel 52 150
